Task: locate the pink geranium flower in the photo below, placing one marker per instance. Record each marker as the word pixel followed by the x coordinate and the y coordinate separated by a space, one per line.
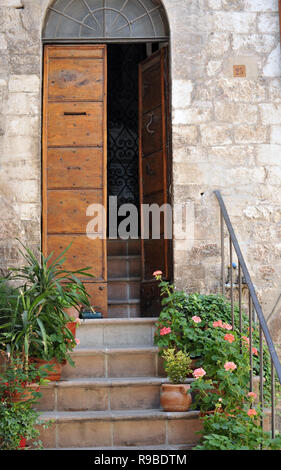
pixel 229 337
pixel 197 373
pixel 165 331
pixel 255 351
pixel 226 326
pixel 245 339
pixel 252 395
pixel 157 273
pixel 196 319
pixel 251 412
pixel 217 323
pixel 230 366
pixel 77 341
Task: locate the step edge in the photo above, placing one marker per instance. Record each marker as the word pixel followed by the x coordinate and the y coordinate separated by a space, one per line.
pixel 111 382
pixel 116 321
pixel 114 350
pixel 117 415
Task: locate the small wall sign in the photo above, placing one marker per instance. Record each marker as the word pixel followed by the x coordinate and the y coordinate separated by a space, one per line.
pixel 239 70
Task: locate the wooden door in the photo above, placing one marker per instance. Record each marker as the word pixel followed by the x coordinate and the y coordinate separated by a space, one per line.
pixel 74 159
pixel 154 169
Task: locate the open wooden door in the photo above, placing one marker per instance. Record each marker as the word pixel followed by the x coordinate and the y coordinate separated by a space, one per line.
pixel 74 159
pixel 154 169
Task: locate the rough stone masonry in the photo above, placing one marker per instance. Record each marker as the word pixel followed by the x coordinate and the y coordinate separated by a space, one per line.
pixel 226 135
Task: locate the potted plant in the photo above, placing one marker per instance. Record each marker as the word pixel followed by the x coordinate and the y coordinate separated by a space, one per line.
pixel 37 325
pixel 19 383
pixel 19 423
pixel 175 395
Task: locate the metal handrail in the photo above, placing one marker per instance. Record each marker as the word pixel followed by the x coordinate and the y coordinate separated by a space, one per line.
pixel 254 304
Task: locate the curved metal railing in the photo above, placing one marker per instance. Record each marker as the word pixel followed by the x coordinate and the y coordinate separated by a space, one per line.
pixel 254 309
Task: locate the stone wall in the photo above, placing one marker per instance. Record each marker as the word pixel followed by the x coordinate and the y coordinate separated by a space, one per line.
pixel 226 133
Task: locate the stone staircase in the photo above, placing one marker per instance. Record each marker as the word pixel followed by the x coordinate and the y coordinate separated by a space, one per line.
pixel 124 274
pixel 111 399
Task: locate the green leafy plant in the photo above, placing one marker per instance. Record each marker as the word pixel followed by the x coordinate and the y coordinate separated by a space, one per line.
pixel 16 377
pixel 236 431
pixel 17 421
pixel 176 365
pixel 35 324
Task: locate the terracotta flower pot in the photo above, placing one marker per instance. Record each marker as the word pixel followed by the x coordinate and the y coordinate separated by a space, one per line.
pixel 27 393
pixel 175 397
pixel 54 374
pixel 72 325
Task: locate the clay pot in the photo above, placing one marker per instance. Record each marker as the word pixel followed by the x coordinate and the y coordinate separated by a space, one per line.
pixel 175 397
pixel 54 373
pixel 72 325
pixel 26 394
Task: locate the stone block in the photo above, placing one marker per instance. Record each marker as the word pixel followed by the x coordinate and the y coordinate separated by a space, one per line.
pixel 268 23
pixel 139 433
pixel 142 364
pixel 259 43
pixel 237 113
pixel 181 93
pixel 194 115
pixel 233 21
pixel 261 5
pixel 270 113
pixel 246 134
pixel 23 103
pixel 89 433
pixel 215 134
pixel 183 431
pixel 24 83
pixel 272 67
pixel 269 154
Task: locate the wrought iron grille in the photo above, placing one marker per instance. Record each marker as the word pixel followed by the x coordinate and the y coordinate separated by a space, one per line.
pixel 122 165
pixel 106 20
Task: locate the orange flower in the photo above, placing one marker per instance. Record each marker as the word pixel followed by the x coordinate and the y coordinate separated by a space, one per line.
pixel 197 373
pixel 252 395
pixel 230 366
pixel 217 323
pixel 251 412
pixel 229 337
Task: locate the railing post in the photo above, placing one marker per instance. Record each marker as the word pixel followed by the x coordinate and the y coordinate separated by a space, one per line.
pixel 222 255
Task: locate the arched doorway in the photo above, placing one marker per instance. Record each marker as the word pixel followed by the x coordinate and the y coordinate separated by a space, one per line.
pixel 106 133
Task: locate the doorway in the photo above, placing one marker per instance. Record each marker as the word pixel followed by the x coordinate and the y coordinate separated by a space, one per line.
pixel 106 133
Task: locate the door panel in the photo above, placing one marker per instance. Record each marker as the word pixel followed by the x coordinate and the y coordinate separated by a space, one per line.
pixel 154 173
pixel 82 253
pixel 75 124
pixel 77 80
pixel 74 159
pixel 75 168
pixel 152 132
pixel 67 209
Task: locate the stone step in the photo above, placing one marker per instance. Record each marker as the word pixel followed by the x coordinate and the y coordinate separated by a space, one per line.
pixel 123 247
pixel 123 288
pixel 120 428
pixel 92 394
pixel 116 332
pixel 123 266
pixel 114 362
pixel 124 309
